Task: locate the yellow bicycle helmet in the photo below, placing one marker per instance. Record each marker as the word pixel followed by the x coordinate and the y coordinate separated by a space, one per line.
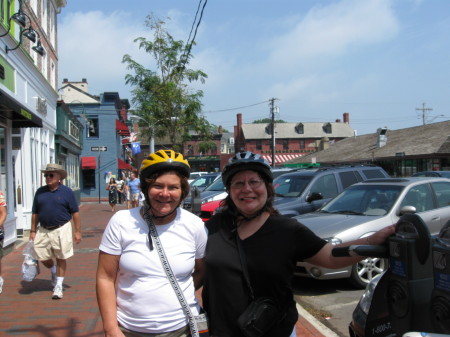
pixel 164 160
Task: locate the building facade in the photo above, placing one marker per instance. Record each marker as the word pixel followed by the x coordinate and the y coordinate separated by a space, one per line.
pixel 291 140
pixel 68 145
pixel 28 101
pixel 104 154
pixel 401 152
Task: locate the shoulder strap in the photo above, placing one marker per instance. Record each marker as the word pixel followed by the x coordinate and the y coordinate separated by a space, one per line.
pixel 171 277
pixel 244 265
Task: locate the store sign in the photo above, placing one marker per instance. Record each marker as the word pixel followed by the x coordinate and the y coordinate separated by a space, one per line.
pixel 99 148
pixel 74 131
pixel 26 114
pixel 41 106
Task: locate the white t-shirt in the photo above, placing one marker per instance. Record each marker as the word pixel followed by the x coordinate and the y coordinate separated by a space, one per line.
pixel 146 302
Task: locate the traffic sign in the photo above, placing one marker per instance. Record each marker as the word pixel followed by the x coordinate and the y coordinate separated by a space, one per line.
pixel 99 148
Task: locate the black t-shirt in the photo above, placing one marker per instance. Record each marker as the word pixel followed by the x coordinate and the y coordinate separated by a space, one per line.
pixel 271 254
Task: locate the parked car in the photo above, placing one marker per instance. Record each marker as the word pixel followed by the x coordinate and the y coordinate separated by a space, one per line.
pixel 368 206
pixel 305 190
pixel 445 174
pixel 204 180
pixel 195 175
pixel 215 191
pixel 208 209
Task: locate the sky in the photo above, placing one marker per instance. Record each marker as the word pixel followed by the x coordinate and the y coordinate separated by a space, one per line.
pixel 378 60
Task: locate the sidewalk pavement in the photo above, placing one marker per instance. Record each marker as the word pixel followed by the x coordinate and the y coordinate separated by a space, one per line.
pixel 27 309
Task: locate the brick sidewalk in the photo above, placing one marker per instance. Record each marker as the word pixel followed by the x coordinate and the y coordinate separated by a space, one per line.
pixel 26 308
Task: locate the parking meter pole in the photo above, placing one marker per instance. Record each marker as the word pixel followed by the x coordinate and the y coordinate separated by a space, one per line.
pixel 411 279
pixel 196 201
pixel 440 297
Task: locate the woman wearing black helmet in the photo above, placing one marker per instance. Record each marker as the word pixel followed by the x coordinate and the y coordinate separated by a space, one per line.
pixel 249 234
pixel 134 295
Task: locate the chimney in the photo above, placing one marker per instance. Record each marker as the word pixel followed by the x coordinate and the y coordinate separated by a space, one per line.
pixel 382 138
pixel 239 120
pixel 338 120
pixel 220 129
pixel 346 118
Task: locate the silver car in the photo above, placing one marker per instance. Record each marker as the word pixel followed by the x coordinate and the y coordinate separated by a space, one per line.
pixel 368 206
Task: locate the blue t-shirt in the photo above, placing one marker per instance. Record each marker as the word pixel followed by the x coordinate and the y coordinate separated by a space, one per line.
pixel 133 186
pixel 54 207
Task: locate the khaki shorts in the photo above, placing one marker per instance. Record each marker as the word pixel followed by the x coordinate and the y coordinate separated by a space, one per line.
pixel 135 196
pixel 183 332
pixel 56 243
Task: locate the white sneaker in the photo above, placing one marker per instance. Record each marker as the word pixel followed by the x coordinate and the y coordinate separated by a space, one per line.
pixel 57 292
pixel 53 280
pixel 1 284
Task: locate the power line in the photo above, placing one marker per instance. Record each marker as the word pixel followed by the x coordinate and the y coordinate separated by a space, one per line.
pixel 237 108
pixel 184 58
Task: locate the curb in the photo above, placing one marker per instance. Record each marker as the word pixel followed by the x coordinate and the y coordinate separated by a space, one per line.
pixel 315 322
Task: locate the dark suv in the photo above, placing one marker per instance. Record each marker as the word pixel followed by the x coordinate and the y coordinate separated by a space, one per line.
pixel 306 190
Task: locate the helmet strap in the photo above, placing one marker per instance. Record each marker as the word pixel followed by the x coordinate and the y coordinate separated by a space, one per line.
pixel 161 216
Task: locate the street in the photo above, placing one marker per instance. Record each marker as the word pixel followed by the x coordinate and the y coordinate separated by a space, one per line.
pixel 330 301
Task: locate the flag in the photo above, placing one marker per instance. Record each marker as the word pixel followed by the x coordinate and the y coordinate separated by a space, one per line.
pixel 136 148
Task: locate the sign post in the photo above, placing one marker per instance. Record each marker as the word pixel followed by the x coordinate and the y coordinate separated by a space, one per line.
pixel 99 149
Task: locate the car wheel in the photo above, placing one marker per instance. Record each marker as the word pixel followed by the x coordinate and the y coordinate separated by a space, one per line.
pixel 364 271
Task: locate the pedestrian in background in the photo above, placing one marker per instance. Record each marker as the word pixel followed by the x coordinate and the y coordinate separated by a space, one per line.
pixel 54 206
pixel 120 187
pixel 135 190
pixel 134 295
pixel 3 214
pixel 249 234
pixel 113 193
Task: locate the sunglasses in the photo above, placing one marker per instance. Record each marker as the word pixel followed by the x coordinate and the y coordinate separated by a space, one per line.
pixel 51 175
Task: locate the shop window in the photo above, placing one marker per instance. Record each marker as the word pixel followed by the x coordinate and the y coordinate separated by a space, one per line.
pixel 92 127
pixel 88 178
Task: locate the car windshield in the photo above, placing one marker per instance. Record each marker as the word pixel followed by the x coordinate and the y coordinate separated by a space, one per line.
pixel 216 186
pixel 368 199
pixel 203 181
pixel 291 186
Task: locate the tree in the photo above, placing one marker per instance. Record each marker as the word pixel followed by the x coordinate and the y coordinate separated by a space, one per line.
pixel 162 97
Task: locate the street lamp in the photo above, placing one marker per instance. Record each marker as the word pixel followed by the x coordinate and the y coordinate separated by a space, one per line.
pixel 20 17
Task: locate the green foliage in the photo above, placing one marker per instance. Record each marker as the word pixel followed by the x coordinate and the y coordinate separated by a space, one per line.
pixel 206 146
pixel 165 103
pixel 267 120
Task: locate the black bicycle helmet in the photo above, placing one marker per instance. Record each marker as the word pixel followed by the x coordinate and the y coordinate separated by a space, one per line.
pixel 246 161
pixel 164 160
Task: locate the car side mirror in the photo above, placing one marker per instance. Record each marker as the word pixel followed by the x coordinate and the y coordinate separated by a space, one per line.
pixel 314 196
pixel 407 210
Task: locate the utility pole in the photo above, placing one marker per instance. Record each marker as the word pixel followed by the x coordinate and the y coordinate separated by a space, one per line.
pixel 272 111
pixel 424 113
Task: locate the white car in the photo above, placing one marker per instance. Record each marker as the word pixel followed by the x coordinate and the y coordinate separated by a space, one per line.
pixel 368 206
pixel 195 175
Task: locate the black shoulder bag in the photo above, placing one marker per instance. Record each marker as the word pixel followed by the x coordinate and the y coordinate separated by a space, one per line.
pixel 262 313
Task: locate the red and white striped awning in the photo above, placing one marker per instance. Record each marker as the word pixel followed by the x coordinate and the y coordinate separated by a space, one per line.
pixel 281 158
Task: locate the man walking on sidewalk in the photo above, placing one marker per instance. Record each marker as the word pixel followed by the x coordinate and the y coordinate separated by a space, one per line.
pixel 54 206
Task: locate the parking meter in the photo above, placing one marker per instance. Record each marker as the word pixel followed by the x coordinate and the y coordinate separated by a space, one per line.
pixel 440 297
pixel 411 281
pixel 196 201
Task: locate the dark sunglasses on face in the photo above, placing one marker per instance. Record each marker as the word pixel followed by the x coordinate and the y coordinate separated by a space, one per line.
pixel 48 175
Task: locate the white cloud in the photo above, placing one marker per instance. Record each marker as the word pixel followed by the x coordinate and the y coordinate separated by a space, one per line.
pixel 92 45
pixel 330 31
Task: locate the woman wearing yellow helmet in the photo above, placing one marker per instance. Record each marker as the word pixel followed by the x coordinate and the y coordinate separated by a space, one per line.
pixel 143 299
